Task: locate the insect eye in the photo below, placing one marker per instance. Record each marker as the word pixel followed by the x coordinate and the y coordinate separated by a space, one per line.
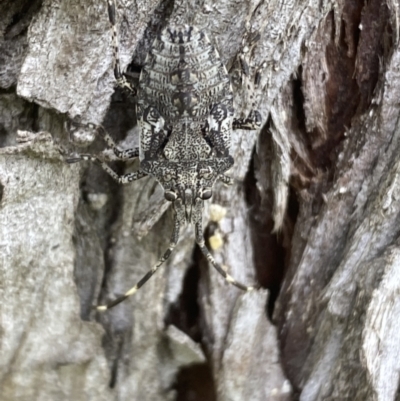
pixel 170 196
pixel 206 193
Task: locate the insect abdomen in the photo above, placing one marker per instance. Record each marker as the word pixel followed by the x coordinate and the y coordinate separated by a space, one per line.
pixel 183 76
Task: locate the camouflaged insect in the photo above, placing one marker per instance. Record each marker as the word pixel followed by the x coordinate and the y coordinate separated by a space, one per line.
pixel 185 112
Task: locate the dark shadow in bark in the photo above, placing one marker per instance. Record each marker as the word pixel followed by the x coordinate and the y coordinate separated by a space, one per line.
pixel 21 19
pixel 195 383
pixel 269 254
pixel 184 314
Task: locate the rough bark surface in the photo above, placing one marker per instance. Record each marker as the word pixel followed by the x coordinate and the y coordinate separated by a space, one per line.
pixel 313 215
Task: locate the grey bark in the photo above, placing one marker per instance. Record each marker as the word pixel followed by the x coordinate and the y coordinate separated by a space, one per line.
pixel 71 238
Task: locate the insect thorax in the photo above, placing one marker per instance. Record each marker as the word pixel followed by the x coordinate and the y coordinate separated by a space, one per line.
pixel 187 180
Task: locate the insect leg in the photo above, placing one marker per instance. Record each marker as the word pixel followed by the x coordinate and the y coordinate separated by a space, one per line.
pixel 121 179
pixel 122 82
pixel 225 179
pixel 252 122
pixel 147 276
pixel 200 241
pixel 122 154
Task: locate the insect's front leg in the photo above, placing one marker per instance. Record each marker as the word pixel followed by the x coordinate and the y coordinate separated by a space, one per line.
pixel 122 82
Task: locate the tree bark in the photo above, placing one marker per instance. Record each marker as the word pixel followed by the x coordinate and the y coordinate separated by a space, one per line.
pixel 312 216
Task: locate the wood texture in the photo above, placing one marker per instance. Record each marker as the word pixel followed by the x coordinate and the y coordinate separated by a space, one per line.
pixel 313 212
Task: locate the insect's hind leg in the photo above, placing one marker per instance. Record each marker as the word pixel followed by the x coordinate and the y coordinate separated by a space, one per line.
pixel 122 82
pixel 149 274
pixel 201 243
pixel 253 120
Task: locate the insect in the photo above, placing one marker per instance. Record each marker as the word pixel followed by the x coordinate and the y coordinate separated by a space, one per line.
pixel 185 112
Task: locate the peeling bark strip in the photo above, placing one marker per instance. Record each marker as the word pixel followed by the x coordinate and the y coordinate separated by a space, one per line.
pixel 325 175
pixel 346 234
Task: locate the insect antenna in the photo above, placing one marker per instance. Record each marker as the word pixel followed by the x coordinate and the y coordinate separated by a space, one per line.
pixel 201 243
pixel 173 242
